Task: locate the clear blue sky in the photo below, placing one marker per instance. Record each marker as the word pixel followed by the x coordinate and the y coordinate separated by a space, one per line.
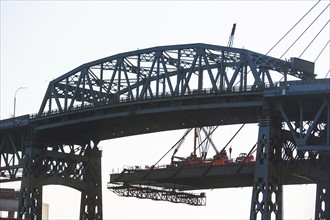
pixel 42 40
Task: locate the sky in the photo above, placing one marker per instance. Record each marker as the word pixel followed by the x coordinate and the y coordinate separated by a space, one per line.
pixel 42 40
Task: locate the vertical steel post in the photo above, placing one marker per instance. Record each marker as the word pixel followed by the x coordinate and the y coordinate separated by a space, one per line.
pixel 267 185
pixel 30 203
pixel 91 199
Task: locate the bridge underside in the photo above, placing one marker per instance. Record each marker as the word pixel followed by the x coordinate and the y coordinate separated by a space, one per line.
pixel 143 117
pixel 146 117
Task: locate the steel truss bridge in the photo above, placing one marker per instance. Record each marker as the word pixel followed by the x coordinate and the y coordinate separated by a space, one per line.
pixel 166 88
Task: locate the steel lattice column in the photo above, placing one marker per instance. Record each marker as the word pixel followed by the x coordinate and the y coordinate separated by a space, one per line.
pixel 30 204
pixel 91 200
pixel 322 208
pixel 267 186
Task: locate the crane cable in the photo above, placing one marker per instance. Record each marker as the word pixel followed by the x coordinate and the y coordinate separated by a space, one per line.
pixel 288 33
pixel 224 148
pixel 180 141
pixel 320 55
pixel 253 149
pixel 314 38
pixel 293 27
pixel 280 58
pixel 322 51
pixel 180 166
pixel 304 31
pixel 176 144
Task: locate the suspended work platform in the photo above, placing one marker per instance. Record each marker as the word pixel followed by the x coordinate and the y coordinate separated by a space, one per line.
pixel 194 178
pixel 158 183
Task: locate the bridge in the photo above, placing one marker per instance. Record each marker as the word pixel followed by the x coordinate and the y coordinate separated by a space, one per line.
pixel 166 88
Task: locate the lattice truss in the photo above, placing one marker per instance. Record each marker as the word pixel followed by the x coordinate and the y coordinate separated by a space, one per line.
pixel 306 138
pixel 308 123
pixel 52 162
pixel 306 141
pixel 153 193
pixel 305 147
pixel 164 71
pixel 11 163
pixel 76 166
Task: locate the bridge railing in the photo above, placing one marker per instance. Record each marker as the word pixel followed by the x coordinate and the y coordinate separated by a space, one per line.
pixel 153 97
pixel 209 91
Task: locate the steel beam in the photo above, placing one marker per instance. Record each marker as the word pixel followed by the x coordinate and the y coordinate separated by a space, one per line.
pixel 78 167
pixel 204 85
pixel 173 70
pixel 91 198
pixel 11 157
pixel 30 203
pixel 267 192
pixel 159 194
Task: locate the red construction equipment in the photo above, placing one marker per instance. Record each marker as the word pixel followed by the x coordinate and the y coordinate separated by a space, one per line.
pixel 243 157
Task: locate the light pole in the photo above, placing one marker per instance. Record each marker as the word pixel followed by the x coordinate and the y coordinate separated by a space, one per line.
pixel 15 98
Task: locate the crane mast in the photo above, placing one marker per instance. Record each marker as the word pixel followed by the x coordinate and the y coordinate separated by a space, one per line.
pixel 231 37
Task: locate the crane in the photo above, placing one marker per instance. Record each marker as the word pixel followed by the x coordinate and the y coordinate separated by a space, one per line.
pixel 204 145
pixel 208 130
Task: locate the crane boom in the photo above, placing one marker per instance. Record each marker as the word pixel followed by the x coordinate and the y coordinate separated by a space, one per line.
pixel 231 37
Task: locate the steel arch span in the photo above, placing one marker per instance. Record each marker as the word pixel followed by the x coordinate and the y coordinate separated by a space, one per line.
pixel 169 71
pixel 174 87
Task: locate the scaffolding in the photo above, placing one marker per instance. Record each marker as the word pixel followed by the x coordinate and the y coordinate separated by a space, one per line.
pixel 159 194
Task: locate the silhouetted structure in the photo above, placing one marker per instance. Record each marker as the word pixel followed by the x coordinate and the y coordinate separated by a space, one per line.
pixel 165 88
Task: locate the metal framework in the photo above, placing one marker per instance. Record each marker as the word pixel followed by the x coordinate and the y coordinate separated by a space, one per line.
pixel 291 130
pixel 78 167
pixel 267 184
pixel 160 194
pixel 309 142
pixel 168 73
